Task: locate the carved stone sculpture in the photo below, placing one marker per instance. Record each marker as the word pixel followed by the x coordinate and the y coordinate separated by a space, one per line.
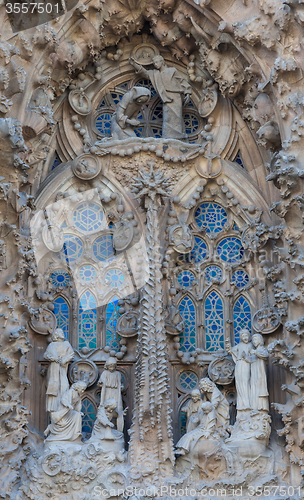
pixel 66 421
pixel 240 355
pixel 111 387
pixel 192 410
pixel 59 353
pixel 171 86
pixel 205 429
pixel 220 404
pixel 104 431
pixel 258 380
pixel 124 119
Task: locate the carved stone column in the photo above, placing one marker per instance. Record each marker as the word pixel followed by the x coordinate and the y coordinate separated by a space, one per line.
pixel 151 445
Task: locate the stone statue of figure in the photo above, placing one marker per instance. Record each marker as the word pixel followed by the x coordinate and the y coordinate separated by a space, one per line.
pixel 241 356
pixel 192 409
pixel 59 352
pixel 111 387
pixel 258 383
pixel 220 404
pixel 206 429
pixel 66 421
pixel 171 86
pixel 103 427
pixel 124 118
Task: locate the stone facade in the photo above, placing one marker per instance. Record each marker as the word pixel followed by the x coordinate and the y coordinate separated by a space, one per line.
pixel 152 251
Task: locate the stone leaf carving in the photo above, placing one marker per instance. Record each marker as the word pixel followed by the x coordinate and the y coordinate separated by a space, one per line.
pixel 127 325
pixel 84 370
pixel 43 321
pixel 86 167
pixel 266 320
pixel 221 371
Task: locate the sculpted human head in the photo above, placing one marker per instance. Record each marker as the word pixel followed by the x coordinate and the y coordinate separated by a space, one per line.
pixel 79 386
pixel 58 335
pixel 245 335
pixel 206 407
pixel 206 385
pixel 257 339
pixel 110 405
pixel 195 395
pixel 111 364
pixel 158 61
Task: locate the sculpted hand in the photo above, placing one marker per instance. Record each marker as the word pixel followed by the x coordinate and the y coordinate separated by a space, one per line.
pixel 125 411
pixel 133 122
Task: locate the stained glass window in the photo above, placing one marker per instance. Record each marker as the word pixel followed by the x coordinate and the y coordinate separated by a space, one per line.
pixel 188 380
pixel 183 420
pixel 61 311
pixel 72 248
pixel 115 278
pixel 199 252
pixel 60 278
pixel 191 123
pixel 214 322
pixel 103 247
pixel 89 415
pixel 211 216
pixel 239 160
pixel 56 161
pixel 144 82
pixel 240 278
pixel 185 278
pixel 112 315
pixel 187 338
pixel 103 123
pixel 230 249
pixel 213 273
pixel 88 217
pixel 87 321
pixel 87 273
pixel 241 317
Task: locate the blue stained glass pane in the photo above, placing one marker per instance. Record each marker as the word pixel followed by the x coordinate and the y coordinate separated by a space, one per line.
pixel 103 247
pixel 102 104
pixel 183 422
pixel 115 278
pixel 60 278
pixel 214 322
pixel 144 82
pixel 157 114
pixel 211 217
pixel 188 380
pixel 56 161
pixel 230 249
pixel 238 159
pixel 87 273
pixel 199 251
pixel 89 416
pixel 157 132
pixel 241 317
pixel 187 338
pixel 112 315
pixel 235 227
pixel 191 123
pixel 240 278
pixel 213 273
pixel 88 217
pixel 87 321
pixel 72 248
pixel 103 123
pixel 185 278
pixel 116 96
pixel 61 311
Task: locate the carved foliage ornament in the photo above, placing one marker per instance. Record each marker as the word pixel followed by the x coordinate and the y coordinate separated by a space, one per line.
pixel 43 321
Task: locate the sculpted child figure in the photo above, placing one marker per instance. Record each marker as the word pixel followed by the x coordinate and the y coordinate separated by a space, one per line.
pixel 111 387
pixel 192 410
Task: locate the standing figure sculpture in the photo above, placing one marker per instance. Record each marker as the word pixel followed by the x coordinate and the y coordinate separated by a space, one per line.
pixel 192 409
pixel 258 383
pixel 124 119
pixel 171 86
pixel 220 404
pixel 66 421
pixel 59 352
pixel 111 387
pixel 241 356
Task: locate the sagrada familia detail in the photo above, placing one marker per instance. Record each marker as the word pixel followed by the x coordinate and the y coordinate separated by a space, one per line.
pixel 152 250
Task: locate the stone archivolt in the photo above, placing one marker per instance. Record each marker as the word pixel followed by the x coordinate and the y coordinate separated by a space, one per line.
pixel 220 88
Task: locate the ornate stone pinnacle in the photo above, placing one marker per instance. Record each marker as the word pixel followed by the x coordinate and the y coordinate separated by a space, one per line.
pixel 151 183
